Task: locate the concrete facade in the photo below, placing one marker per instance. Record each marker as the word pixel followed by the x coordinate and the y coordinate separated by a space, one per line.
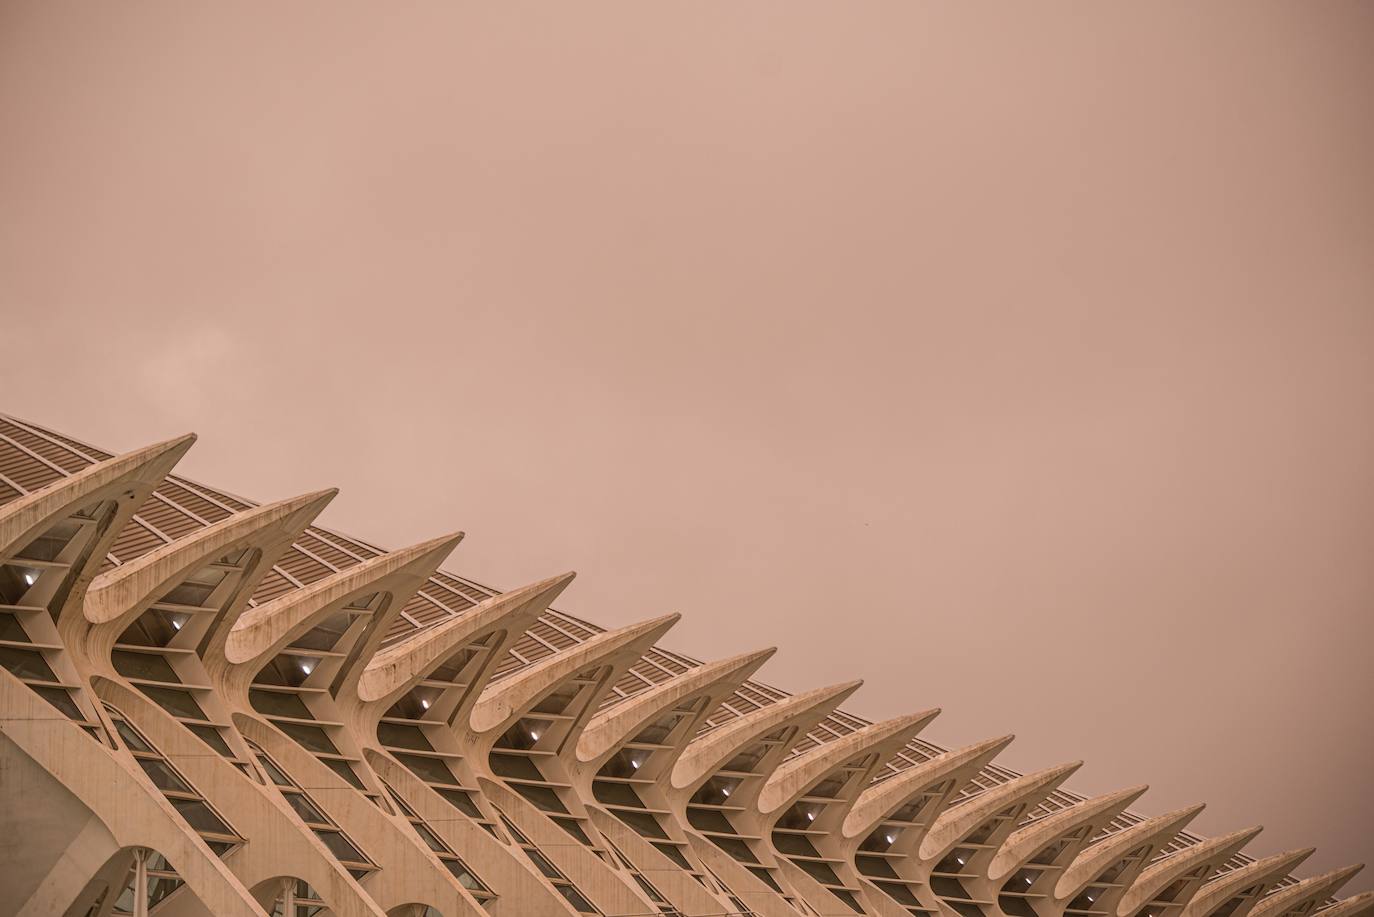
pixel 213 707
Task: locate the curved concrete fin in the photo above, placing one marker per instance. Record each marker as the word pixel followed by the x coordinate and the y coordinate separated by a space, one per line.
pixel 1212 852
pixel 1154 832
pixel 261 632
pixel 953 824
pixel 1360 905
pixel 880 800
pixel 1224 887
pixel 1026 842
pixel 1308 890
pixel 360 653
pixel 118 595
pixel 706 754
pixel 512 696
pixel 133 474
pixel 611 728
pixel 397 669
pixel 796 775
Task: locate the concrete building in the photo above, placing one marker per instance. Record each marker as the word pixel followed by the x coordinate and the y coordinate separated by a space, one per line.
pixel 209 706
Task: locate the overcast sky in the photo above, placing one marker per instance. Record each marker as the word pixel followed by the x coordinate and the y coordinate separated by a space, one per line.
pixel 1016 360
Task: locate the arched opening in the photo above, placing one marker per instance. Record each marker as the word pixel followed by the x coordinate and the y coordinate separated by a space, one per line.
pixel 135 882
pixel 288 896
pixel 414 910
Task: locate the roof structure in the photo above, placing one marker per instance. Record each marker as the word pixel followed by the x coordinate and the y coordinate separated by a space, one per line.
pixel 287 589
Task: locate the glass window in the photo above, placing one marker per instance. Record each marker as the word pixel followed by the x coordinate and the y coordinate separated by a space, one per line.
pixel 622 794
pixel 10 629
pixel 306 809
pixel 326 634
pixel 163 777
pixel 544 798
pixel 199 816
pixel 312 738
pixel 343 770
pixel 60 699
pixel 432 770
pixel 341 847
pixel 430 838
pixel 579 903
pixel 644 824
pixel 274 773
pixel 464 875
pixel 401 736
pixel 210 736
pixel 143 665
pixel 26 663
pixel 154 627
pixel 176 702
pixel 278 703
pixel 673 853
pixel 517 766
pixel 460 801
pixel 571 826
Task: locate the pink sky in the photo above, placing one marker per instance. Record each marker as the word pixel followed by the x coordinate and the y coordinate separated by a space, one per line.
pixel 1030 344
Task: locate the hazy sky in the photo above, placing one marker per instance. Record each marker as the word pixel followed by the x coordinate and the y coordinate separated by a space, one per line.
pixel 1016 359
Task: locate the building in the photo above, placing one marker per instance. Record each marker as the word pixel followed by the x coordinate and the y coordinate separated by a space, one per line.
pixel 210 706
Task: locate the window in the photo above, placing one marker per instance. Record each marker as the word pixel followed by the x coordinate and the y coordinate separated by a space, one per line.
pixel 315 818
pixel 189 803
pixel 550 871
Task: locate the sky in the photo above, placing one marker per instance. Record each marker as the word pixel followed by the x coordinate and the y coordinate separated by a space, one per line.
pixel 1015 359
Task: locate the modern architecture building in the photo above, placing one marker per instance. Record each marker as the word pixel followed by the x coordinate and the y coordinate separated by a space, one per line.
pixel 215 707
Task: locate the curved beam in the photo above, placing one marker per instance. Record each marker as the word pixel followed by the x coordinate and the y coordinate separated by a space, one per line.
pixel 118 596
pixel 1307 891
pixel 1262 872
pixel 708 753
pixel 954 824
pixel 1209 853
pixel 260 633
pixel 509 698
pixel 1026 842
pixel 118 487
pixel 613 727
pixel 396 669
pixel 133 475
pixel 878 801
pixel 1151 833
pixel 1354 906
pixel 796 775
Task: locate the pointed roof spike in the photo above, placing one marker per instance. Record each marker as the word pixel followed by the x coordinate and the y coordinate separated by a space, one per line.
pixel 616 725
pixel 397 668
pixel 876 802
pixel 1313 889
pixel 124 590
pixel 1157 876
pixel 797 774
pixel 707 753
pixel 262 631
pixel 430 555
pixel 1355 906
pixel 1024 843
pixel 149 464
pixel 1223 888
pixel 952 824
pixel 1155 831
pixel 504 699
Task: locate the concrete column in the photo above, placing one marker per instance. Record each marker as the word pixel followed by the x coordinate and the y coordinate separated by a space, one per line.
pixel 141 881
